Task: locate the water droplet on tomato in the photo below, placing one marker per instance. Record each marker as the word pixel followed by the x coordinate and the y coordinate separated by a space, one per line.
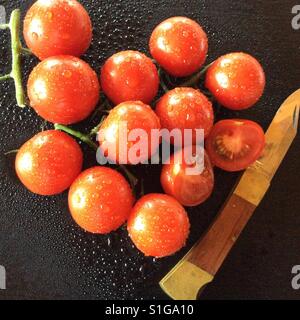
pixel 35 36
pixel 50 15
pixel 67 74
pixel 185 34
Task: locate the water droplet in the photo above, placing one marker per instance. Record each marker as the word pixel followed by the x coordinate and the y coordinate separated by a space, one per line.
pixel 67 74
pixel 35 36
pixel 50 15
pixel 185 34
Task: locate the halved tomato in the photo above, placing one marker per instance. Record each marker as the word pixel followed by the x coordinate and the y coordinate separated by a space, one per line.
pixel 190 188
pixel 234 145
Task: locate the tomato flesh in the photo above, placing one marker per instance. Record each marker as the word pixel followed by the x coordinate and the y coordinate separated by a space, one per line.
pixel 100 200
pixel 158 225
pixel 237 80
pixel 49 162
pixel 57 27
pixel 179 45
pixel 63 89
pixel 189 189
pixel 129 76
pixel 234 145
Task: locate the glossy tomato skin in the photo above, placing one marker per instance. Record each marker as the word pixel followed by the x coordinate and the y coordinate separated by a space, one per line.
pixel 48 163
pixel 179 45
pixel 57 27
pixel 189 189
pixel 158 225
pixel 237 80
pixel 135 115
pixel 129 76
pixel 235 144
pixel 185 108
pixel 63 89
pixel 100 200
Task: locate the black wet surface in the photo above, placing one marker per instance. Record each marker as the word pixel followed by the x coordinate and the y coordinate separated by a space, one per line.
pixel 48 257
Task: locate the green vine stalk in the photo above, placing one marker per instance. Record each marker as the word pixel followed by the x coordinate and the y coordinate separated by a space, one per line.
pixel 17 51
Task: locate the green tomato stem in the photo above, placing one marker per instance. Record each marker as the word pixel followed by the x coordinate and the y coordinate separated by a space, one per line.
pixel 194 80
pixel 11 152
pixel 4 26
pixel 79 135
pixel 26 51
pixel 162 83
pixel 16 48
pixel 5 77
pixel 142 193
pixel 95 131
pixel 133 180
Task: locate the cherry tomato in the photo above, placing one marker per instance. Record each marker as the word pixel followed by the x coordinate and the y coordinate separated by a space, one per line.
pixel 48 163
pixel 57 27
pixel 129 76
pixel 116 137
pixel 63 89
pixel 158 225
pixel 237 80
pixel 185 108
pixel 100 200
pixel 234 145
pixel 179 45
pixel 190 188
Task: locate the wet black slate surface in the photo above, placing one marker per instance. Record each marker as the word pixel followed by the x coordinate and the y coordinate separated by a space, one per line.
pixel 48 257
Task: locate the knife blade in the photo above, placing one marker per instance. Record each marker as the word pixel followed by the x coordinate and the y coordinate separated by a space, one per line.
pixel 200 265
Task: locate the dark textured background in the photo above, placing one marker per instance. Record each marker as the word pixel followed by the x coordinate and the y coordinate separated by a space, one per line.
pixel 47 256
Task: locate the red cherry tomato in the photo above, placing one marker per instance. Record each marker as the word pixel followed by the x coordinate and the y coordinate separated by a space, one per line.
pixel 129 76
pixel 113 135
pixel 185 108
pixel 63 89
pixel 158 225
pixel 49 162
pixel 189 188
pixel 237 80
pixel 179 45
pixel 234 145
pixel 100 200
pixel 57 27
